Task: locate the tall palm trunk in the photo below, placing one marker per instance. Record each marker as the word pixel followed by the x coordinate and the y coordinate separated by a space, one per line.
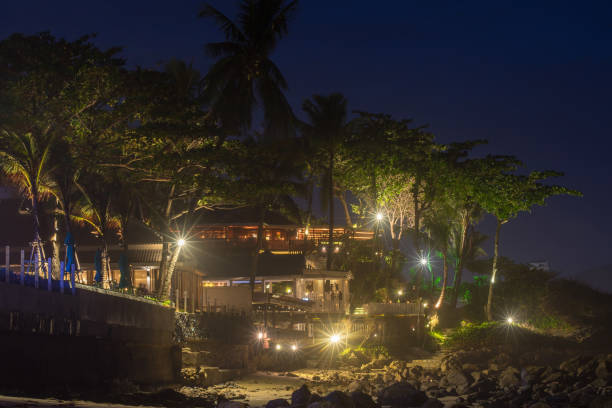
pixel 106 271
pixel 444 279
pixel 166 283
pixel 55 245
pixel 255 258
pixel 163 263
pixel 494 271
pixel 37 241
pixel 465 223
pixel 394 262
pixel 330 249
pixel 347 212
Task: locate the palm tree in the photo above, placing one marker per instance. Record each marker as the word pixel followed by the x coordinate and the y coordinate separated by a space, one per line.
pixel 96 211
pixel 244 70
pixel 24 157
pixel 327 116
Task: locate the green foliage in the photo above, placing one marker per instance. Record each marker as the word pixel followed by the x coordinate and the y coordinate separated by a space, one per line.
pixel 475 335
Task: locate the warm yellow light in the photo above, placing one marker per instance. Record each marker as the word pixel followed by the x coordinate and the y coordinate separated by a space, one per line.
pixel 379 216
pixel 510 320
pixel 278 347
pixel 293 347
pixel 425 304
pixel 334 339
pixel 323 249
pixel 400 292
pixel 260 336
pixel 288 290
pixel 423 261
pixel 180 242
pixel 337 249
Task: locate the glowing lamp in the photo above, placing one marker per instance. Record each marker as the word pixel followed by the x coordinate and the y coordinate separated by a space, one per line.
pixel 293 347
pixel 509 320
pixel 278 347
pixel 423 261
pixel 334 339
pixel 260 336
pixel 180 242
pixel 379 216
pixel 400 292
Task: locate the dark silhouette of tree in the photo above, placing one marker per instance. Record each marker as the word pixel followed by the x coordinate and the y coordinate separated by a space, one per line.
pixel 244 74
pixel 327 117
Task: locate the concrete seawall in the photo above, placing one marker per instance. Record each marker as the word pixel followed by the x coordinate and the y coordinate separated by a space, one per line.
pixel 91 338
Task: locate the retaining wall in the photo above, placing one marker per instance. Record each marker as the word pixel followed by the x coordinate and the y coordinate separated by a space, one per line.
pixel 90 338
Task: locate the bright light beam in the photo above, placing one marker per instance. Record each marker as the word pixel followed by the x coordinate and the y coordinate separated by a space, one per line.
pixel 180 242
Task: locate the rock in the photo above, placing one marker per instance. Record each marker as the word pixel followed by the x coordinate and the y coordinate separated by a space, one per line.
pixel 539 405
pixel 457 379
pixel 189 358
pixel 449 362
pixel 338 399
pixel 602 370
pixel 277 403
pixel 433 403
pixel 362 400
pixel 416 371
pixel 601 402
pixel 320 404
pixel 509 378
pixel 552 377
pixel 467 367
pixel 300 396
pixel 359 385
pixel 231 404
pixel 401 394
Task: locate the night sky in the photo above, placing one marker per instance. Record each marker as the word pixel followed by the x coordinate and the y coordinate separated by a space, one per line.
pixel 533 80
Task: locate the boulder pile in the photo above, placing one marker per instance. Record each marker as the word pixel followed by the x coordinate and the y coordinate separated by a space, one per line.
pixel 469 379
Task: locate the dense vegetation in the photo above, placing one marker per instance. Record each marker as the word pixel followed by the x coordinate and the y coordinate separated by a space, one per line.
pixel 105 145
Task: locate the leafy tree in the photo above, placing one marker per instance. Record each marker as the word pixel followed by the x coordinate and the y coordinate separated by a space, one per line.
pixel 244 71
pixel 46 85
pixel 506 195
pixel 265 176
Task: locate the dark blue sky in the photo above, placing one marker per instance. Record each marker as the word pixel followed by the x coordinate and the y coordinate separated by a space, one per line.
pixel 532 79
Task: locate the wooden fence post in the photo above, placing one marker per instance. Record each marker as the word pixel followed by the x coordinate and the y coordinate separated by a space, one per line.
pixel 22 270
pixel 49 287
pixel 7 263
pixel 72 279
pixel 61 282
